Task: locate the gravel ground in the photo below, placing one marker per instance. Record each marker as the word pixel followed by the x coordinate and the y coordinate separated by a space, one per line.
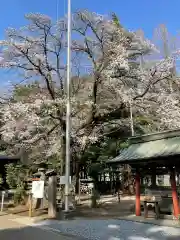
pixel 112 230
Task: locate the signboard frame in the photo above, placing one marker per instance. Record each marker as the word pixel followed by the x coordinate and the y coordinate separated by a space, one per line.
pixel 38 189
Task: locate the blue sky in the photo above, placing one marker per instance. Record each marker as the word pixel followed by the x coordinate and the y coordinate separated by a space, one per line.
pixel 134 14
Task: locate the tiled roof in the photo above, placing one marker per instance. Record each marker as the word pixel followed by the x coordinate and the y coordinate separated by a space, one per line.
pixel 139 150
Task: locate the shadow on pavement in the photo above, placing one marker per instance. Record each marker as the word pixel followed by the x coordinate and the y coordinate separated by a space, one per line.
pixel 31 233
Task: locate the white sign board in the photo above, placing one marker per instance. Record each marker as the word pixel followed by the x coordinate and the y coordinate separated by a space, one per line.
pixel 63 180
pixel 38 189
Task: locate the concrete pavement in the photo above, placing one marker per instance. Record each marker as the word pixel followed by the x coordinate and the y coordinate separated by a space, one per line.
pixel 13 227
pixel 112 229
pixel 10 230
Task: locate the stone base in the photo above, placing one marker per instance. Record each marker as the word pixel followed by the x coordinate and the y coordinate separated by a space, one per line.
pixel 64 215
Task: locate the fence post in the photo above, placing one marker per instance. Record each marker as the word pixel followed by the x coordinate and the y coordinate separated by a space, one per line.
pixel 30 205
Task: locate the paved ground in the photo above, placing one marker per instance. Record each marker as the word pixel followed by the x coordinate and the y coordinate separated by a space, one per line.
pixel 11 229
pixel 112 230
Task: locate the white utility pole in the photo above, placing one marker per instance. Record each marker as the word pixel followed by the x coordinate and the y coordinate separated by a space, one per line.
pixel 68 108
pixel 131 118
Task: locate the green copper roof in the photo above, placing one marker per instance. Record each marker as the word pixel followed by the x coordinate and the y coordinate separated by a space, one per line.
pixel 148 149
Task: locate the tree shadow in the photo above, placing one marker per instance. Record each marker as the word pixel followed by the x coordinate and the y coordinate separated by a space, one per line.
pixel 29 233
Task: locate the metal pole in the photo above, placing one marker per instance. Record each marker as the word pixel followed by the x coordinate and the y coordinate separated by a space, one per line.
pixel 2 201
pixel 131 118
pixel 68 109
pixel 79 191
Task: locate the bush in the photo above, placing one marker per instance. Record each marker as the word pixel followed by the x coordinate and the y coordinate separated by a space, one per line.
pixel 19 196
pixel 15 176
pixel 1 180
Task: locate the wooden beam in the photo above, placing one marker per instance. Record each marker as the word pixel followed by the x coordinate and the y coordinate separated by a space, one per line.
pixel 154 136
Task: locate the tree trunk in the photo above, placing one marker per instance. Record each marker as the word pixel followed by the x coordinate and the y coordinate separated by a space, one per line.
pixel 95 195
pixel 52 189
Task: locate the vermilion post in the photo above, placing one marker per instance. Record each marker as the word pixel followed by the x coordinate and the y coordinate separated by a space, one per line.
pixel 138 203
pixel 174 194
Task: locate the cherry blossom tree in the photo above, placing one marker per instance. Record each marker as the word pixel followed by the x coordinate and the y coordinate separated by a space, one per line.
pixel 118 73
pixel 115 77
